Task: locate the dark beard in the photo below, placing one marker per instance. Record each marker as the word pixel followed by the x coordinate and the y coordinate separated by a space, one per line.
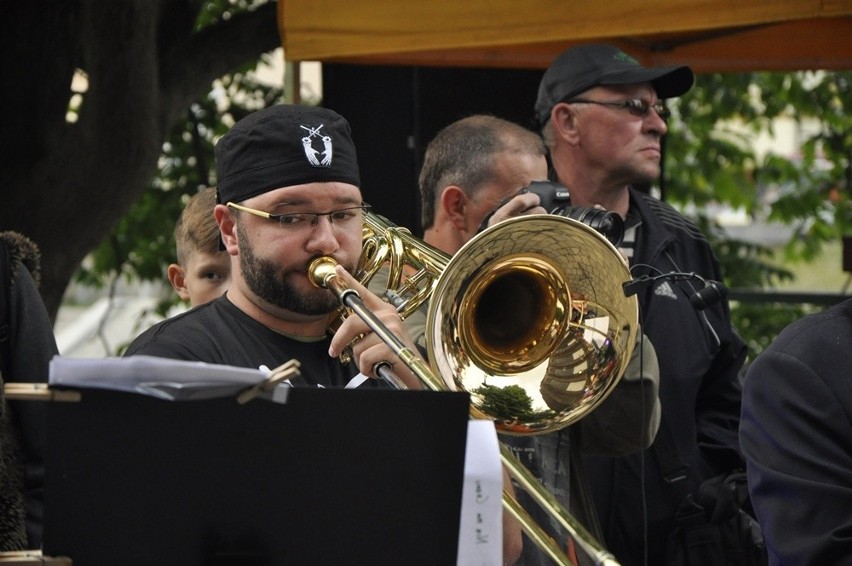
pixel 262 279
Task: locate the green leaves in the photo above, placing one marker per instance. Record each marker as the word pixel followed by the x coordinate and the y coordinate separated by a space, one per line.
pixel 717 155
pixel 141 245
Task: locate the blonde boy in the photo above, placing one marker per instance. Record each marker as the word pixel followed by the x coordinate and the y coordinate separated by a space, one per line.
pixel 202 271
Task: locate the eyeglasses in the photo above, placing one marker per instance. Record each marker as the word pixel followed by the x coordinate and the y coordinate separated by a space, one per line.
pixel 636 106
pixel 295 220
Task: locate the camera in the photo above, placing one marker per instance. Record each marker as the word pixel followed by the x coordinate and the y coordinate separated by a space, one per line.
pixel 556 199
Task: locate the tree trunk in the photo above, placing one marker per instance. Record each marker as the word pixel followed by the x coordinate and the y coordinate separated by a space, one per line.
pixel 66 183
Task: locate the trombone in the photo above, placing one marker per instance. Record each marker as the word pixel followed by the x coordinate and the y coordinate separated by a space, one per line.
pixel 529 318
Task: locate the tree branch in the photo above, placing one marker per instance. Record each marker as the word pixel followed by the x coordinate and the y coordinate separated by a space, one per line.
pixel 190 65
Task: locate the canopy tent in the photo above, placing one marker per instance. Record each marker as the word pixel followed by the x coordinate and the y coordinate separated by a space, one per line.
pixel 708 35
pixel 427 63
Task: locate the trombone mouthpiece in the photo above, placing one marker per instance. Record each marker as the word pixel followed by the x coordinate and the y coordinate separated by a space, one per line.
pixel 321 270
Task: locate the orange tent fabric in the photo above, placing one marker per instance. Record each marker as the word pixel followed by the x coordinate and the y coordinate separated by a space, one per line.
pixel 708 35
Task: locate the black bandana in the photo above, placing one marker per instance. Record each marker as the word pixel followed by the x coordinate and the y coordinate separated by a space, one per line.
pixel 282 146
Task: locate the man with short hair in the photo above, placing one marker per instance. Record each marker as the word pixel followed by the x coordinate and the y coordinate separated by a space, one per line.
pixel 469 169
pixel 603 118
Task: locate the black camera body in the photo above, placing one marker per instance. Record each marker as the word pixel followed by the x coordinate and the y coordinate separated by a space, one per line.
pixel 553 197
pixel 556 199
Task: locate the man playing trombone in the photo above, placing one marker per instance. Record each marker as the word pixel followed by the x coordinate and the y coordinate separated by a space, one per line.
pixel 279 208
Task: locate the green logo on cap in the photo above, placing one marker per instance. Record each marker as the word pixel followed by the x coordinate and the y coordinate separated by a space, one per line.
pixel 625 58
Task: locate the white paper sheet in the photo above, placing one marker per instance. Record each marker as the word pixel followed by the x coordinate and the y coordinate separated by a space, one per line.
pixel 481 529
pixel 157 377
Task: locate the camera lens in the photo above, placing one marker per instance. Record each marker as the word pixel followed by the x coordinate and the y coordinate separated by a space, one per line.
pixel 608 224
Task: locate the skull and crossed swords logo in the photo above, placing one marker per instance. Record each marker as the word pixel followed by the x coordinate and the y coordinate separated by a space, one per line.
pixel 311 152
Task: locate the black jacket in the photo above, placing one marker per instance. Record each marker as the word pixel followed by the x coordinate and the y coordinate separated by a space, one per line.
pixel 796 435
pixel 700 357
pixel 26 346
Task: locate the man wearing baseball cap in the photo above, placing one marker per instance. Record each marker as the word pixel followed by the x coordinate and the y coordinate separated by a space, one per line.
pixel 603 116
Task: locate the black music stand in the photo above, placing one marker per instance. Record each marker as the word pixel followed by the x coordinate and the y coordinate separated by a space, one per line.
pixel 331 477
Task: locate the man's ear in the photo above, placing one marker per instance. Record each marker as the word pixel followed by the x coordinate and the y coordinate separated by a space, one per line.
pixel 178 280
pixel 563 120
pixel 453 203
pixel 227 227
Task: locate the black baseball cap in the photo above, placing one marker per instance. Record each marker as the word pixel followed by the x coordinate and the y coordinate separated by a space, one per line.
pixel 281 146
pixel 586 66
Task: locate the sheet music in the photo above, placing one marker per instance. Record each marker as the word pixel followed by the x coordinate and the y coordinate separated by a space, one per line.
pixel 481 528
pixel 153 376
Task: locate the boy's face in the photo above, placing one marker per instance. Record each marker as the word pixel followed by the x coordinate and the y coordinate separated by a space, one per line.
pixel 204 278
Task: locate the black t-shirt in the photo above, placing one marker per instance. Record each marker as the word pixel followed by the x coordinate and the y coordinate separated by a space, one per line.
pixel 220 333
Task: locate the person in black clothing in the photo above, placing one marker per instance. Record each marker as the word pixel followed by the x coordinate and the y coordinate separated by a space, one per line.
pixel 288 192
pixel 27 344
pixel 603 120
pixel 796 434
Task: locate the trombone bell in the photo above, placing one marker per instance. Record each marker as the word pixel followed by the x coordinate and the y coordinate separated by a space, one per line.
pixel 518 312
pixel 529 317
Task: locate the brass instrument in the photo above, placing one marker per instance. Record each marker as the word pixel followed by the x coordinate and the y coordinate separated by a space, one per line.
pixel 529 318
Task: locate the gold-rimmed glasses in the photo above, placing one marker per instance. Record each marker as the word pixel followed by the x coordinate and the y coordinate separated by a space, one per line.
pixel 298 220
